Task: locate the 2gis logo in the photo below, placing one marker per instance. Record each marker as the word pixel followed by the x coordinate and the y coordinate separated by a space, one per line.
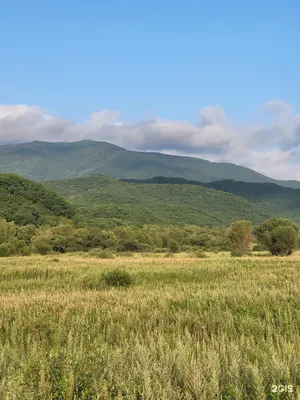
pixel 282 388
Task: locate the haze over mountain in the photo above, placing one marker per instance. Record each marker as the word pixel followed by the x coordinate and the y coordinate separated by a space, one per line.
pixel 62 160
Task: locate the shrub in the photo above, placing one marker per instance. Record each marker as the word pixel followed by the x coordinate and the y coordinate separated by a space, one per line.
pixel 159 250
pixel 26 251
pixel 240 237
pixel 236 254
pixel 42 247
pixel 118 278
pixel 7 249
pixel 101 253
pixel 173 246
pixel 285 240
pixel 199 254
pixel 279 235
pixel 259 247
pixel 92 282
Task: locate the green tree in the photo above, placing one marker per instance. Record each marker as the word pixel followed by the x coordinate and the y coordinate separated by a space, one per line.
pixel 279 235
pixel 173 246
pixel 42 241
pixel 7 249
pixel 240 237
pixel 8 231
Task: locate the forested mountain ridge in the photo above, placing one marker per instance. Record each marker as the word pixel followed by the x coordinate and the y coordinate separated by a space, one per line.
pixel 27 202
pixel 106 199
pixel 64 160
pixel 276 199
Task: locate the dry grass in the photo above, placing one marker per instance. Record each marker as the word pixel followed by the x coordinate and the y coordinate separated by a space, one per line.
pixel 215 328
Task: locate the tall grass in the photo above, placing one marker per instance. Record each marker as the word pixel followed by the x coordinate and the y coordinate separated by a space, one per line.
pixel 213 328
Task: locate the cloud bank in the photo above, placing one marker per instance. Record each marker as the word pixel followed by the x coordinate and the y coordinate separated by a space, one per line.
pixel 271 147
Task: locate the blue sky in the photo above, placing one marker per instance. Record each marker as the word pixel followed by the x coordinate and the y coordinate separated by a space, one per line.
pixel 167 57
pixel 189 77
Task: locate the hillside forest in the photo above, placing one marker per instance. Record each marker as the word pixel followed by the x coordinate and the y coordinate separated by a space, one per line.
pixel 104 216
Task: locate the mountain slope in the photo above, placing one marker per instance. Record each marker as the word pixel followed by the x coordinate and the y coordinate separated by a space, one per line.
pixel 43 160
pixel 105 198
pixel 26 202
pixel 276 199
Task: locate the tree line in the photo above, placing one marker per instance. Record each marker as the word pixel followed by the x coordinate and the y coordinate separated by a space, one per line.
pixel 277 235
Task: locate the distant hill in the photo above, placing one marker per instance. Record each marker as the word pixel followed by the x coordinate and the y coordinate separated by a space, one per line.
pixel 45 161
pixel 103 198
pixel 26 202
pixel 276 199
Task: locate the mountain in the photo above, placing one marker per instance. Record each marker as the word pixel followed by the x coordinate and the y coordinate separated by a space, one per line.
pixel 50 161
pixel 276 199
pixel 27 202
pixel 107 200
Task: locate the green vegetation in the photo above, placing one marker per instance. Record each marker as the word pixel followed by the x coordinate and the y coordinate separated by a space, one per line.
pixel 280 236
pixel 278 200
pixel 165 227
pixel 42 160
pixel 37 219
pixel 240 237
pixel 127 316
pixel 26 202
pixel 277 235
pixel 99 253
pixel 173 246
pixel 213 329
pixel 110 202
pixel 199 254
pixel 118 278
pixel 155 325
pixel 275 199
pixel 105 243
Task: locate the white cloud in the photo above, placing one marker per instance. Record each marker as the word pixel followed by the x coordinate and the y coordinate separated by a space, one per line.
pixel 213 115
pixel 277 107
pixel 269 147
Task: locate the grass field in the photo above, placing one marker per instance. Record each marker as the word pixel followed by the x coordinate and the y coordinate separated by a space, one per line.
pixel 215 328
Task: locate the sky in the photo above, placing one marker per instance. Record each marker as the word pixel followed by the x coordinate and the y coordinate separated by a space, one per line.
pixel 212 79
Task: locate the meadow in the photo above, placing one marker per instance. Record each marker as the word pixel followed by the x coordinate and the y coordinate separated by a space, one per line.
pixel 189 328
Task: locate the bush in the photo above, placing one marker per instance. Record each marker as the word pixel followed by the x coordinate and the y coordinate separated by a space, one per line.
pixel 101 253
pixel 118 278
pixel 92 282
pixel 7 249
pixel 199 254
pixel 279 235
pixel 236 254
pixel 285 240
pixel 26 251
pixel 173 246
pixel 240 237
pixel 42 247
pixel 259 247
pixel 159 250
